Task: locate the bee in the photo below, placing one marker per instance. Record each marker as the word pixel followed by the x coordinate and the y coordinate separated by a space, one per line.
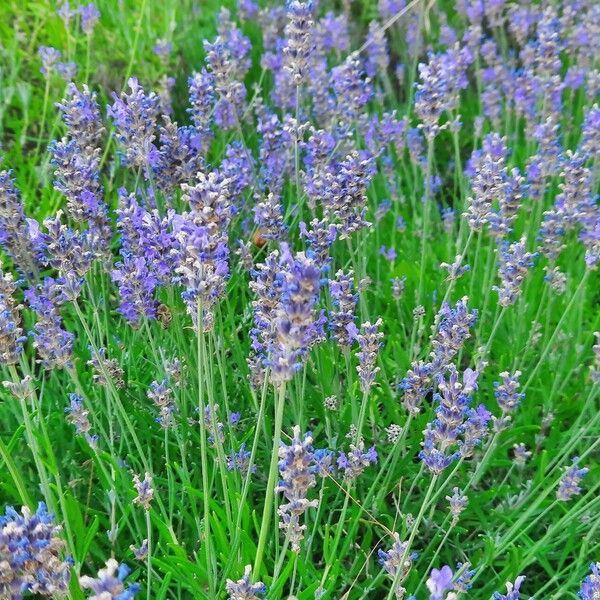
pixel 164 315
pixel 258 239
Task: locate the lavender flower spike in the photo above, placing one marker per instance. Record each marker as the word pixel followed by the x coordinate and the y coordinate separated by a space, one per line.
pixel 391 561
pixel 31 554
pixel 144 490
pixel 109 583
pixel 11 332
pixel 590 588
pixel 297 477
pixel 512 590
pixel 440 582
pixel 243 589
pixel 370 341
pixel 299 40
pixel 513 264
pixel 569 483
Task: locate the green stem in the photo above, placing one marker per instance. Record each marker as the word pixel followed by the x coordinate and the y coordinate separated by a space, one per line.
pixel 271 482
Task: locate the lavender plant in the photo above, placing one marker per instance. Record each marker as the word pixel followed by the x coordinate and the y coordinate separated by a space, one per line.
pixel 377 222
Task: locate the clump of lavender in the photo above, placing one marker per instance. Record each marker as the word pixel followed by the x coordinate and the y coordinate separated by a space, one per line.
pixel 244 589
pixel 344 301
pixel 68 251
pixel 396 564
pixel 369 339
pixel 299 40
pixel 297 478
pixel 134 116
pixel 590 588
pixel 78 416
pixel 356 460
pixel 415 386
pixel 32 554
pixel 378 58
pixel 513 263
pixel 161 394
pixel 11 332
pixel 110 583
pixel 140 552
pixel 144 489
pixel 352 89
pixel 568 486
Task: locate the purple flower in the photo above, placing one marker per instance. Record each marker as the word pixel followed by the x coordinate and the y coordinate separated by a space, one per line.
pixel 201 92
pixel 356 460
pixel 506 392
pixel 344 304
pixel 297 479
pixel 512 590
pixel 369 339
pixel 244 589
pixel 79 417
pixel 240 461
pixel 377 58
pixel 144 489
pixel 11 332
pixel 299 40
pixel 451 414
pixel 89 17
pixel 137 285
pixel 319 239
pixel 163 49
pixel 15 237
pixel 134 116
pixel 396 562
pixel 440 582
pixel 388 253
pixel 32 554
pixel 49 57
pixel 513 264
pixel 268 216
pixel 161 394
pixel 297 325
pixel 590 588
pixel 568 486
pixel 53 343
pixel 109 585
pixel 441 80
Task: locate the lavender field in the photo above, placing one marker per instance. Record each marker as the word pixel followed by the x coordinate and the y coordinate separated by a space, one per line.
pixel 300 300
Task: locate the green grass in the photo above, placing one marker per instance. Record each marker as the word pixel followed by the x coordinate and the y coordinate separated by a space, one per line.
pixel 205 527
